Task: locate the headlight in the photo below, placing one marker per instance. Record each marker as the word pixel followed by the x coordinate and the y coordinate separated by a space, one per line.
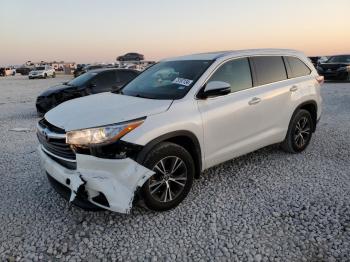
pixel 101 135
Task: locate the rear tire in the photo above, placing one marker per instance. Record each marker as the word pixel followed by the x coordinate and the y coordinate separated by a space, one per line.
pixel 299 132
pixel 174 173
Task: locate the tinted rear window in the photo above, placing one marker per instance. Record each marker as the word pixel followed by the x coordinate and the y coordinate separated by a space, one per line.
pixel 296 67
pixel 269 69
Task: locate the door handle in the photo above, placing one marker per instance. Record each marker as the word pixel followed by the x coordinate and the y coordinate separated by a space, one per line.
pixel 293 88
pixel 254 101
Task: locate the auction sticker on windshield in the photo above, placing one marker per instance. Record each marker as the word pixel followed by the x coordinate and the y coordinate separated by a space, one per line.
pixel 182 81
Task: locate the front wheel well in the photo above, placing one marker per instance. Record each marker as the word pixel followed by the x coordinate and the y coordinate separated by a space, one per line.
pixel 190 146
pixel 184 139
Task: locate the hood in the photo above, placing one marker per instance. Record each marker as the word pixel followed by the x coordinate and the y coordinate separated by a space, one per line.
pixel 103 109
pixel 56 89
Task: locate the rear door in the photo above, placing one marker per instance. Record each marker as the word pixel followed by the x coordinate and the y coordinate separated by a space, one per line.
pixel 301 81
pixel 274 97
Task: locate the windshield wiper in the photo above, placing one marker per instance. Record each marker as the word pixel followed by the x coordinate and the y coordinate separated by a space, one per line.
pixel 141 96
pixel 118 91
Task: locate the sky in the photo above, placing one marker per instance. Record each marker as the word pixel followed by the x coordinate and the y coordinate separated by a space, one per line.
pixel 87 31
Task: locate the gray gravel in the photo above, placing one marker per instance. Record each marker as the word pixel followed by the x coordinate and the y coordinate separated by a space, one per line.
pixel 265 206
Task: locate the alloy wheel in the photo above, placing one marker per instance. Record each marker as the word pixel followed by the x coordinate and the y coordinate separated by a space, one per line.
pixel 302 132
pixel 169 179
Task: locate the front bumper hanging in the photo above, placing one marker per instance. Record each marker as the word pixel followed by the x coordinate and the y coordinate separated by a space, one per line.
pixel 116 179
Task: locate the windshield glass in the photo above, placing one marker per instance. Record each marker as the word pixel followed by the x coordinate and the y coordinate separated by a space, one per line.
pixel 40 68
pixel 339 59
pixel 167 80
pixel 82 79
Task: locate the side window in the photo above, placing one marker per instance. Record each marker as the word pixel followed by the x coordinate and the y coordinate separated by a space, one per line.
pixel 296 67
pixel 269 69
pixel 124 77
pixel 236 73
pixel 104 81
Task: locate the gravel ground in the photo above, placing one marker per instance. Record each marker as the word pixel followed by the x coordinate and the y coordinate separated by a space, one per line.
pixel 265 206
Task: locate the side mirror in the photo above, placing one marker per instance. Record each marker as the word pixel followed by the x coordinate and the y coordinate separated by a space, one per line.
pixel 215 88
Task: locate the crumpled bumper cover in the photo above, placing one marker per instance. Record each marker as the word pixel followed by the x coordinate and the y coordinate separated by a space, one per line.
pixel 117 179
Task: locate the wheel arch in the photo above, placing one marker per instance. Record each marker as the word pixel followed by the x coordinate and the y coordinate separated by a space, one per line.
pixel 183 138
pixel 311 107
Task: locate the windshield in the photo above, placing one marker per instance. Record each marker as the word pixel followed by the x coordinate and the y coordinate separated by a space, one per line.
pixel 40 68
pixel 167 80
pixel 339 59
pixel 82 79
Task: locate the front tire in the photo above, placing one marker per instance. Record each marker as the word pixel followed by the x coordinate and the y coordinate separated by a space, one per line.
pixel 45 76
pixel 53 75
pixel 174 173
pixel 299 132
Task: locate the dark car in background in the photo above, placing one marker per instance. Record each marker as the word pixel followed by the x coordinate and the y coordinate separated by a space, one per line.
pixel 314 60
pixel 79 70
pixel 82 69
pixel 131 57
pixel 23 70
pixel 2 71
pixel 335 68
pixel 92 82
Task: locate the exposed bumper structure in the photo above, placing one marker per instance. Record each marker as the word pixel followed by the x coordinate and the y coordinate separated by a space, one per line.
pixel 116 179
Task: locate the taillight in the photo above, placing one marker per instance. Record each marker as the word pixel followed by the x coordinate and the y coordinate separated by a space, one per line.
pixel 320 79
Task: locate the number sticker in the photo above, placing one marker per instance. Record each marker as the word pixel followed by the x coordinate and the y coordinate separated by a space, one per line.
pixel 182 81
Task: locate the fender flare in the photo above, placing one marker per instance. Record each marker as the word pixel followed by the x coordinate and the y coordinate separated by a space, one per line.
pixel 197 154
pixel 308 102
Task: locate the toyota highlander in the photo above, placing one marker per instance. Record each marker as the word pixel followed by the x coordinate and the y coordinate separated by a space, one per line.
pixel 147 142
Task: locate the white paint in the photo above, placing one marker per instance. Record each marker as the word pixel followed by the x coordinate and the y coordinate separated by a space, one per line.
pixel 103 109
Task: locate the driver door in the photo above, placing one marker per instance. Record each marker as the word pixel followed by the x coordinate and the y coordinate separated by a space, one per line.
pixel 230 122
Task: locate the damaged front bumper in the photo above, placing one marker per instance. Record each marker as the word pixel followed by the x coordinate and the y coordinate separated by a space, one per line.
pixel 116 179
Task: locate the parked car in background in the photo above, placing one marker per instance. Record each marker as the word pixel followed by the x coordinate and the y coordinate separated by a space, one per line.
pixel 79 70
pixel 43 71
pixel 335 68
pixel 92 82
pixel 2 71
pixel 87 68
pixel 23 70
pixel 9 71
pixel 131 57
pixel 179 117
pixel 314 60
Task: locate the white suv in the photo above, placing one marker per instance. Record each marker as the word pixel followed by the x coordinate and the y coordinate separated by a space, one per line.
pixel 148 141
pixel 42 71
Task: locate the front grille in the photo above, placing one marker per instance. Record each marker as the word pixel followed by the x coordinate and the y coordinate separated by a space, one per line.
pixel 53 140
